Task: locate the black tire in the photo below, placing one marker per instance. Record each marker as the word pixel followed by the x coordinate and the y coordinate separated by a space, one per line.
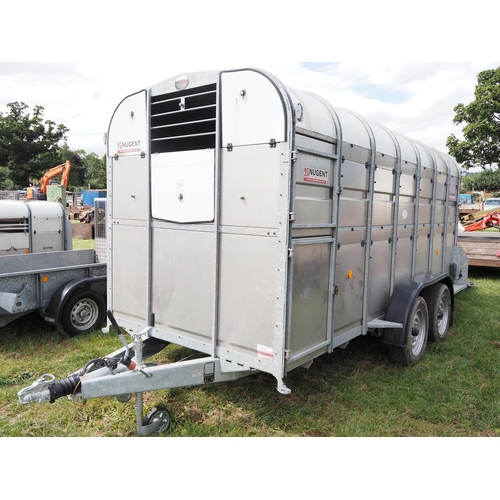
pixel 438 300
pixel 83 312
pixel 159 416
pixel 416 333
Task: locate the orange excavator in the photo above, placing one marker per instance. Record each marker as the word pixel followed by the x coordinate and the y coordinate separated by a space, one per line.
pixel 40 193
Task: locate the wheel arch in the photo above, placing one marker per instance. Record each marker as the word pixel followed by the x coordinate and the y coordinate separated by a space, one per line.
pixel 53 313
pixel 401 302
pixel 445 280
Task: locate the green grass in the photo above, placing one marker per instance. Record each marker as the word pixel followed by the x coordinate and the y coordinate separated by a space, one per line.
pixel 453 391
pixel 83 244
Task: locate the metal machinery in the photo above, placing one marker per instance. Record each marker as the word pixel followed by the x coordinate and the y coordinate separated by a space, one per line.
pixel 58 192
pixel 262 228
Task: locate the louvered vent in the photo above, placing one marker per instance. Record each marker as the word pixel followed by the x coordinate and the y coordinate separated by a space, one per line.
pixel 184 121
pixel 14 225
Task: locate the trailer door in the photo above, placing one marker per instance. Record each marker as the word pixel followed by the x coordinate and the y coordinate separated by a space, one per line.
pixel 254 208
pixel 252 112
pixel 183 186
pixel 183 129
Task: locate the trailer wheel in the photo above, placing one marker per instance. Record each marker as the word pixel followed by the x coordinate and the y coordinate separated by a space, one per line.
pixel 83 312
pixel 438 300
pixel 416 332
pixel 159 416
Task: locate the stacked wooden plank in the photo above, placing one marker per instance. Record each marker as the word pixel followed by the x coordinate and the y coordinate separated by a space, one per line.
pixel 482 247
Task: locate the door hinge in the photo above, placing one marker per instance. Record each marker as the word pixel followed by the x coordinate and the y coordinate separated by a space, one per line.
pixel 286 354
pixel 290 253
pixel 291 217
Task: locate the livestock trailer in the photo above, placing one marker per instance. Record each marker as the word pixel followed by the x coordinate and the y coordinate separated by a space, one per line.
pixel 33 227
pixel 262 227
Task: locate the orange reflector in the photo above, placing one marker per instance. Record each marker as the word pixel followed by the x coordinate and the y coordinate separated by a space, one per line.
pixel 45 278
pixel 349 274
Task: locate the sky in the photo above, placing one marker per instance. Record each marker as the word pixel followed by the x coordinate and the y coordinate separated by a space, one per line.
pixel 413 98
pixel 120 49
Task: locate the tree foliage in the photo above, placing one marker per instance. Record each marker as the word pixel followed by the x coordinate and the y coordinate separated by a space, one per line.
pixel 28 145
pixel 88 171
pixel 5 182
pixel 95 171
pixel 486 180
pixel 481 118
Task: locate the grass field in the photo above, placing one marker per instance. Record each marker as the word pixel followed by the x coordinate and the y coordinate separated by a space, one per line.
pixel 453 391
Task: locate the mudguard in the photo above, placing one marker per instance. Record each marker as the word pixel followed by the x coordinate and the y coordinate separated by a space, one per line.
pixel 54 310
pixel 401 302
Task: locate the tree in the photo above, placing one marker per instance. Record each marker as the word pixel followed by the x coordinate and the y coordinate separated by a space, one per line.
pixel 87 169
pixel 5 182
pixel 28 145
pixel 486 180
pixel 96 171
pixel 77 165
pixel 481 144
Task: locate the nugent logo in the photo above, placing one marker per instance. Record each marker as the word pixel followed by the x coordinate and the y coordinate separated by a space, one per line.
pixel 127 147
pixel 315 175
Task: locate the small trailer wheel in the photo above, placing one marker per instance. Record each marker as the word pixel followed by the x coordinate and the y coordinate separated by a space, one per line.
pixel 416 333
pixel 438 300
pixel 159 416
pixel 83 312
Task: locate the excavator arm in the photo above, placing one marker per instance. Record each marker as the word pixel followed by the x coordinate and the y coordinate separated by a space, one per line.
pixel 63 169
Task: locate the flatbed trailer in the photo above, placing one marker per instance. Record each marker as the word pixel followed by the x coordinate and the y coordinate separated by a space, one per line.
pixel 40 271
pixel 261 227
pixel 67 288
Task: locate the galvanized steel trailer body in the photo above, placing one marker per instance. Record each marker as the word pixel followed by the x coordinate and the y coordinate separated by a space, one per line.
pixel 262 227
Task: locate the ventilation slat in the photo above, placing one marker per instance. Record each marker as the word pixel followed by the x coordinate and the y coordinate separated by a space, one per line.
pixel 184 121
pixel 175 137
pixel 14 225
pixel 174 124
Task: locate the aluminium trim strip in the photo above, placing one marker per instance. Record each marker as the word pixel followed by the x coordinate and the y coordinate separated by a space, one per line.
pixel 430 250
pixel 395 214
pixel 216 223
pixel 318 153
pixel 369 218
